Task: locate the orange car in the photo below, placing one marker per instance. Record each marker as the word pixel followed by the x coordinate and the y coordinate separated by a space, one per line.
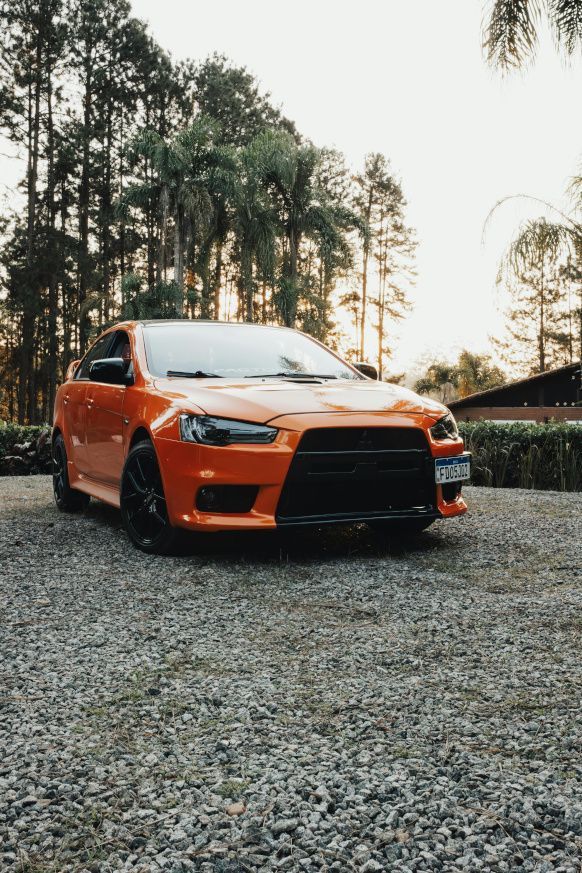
pixel 210 426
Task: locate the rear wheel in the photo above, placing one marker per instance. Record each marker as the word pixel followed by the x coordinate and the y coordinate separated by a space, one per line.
pixel 66 498
pixel 143 502
pixel 403 527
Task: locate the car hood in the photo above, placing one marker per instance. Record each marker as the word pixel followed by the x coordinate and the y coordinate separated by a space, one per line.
pixel 264 400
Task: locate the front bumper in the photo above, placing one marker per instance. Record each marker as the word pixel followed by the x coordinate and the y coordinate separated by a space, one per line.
pixel 336 487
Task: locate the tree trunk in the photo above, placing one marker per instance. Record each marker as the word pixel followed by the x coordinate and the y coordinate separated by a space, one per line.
pixel 179 257
pixel 542 339
pixel 246 260
pixel 53 277
pixel 26 388
pixel 217 280
pixel 290 313
pixel 365 257
pixel 84 199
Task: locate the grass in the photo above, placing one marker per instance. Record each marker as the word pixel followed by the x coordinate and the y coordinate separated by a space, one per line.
pixel 524 455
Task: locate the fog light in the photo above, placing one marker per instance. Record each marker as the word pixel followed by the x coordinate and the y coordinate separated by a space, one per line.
pixel 226 498
pixel 208 499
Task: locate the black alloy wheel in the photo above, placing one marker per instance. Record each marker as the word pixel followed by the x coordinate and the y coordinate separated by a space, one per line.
pixel 143 503
pixel 66 498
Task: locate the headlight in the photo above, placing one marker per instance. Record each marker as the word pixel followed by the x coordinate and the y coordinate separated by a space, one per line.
pixel 445 428
pixel 223 431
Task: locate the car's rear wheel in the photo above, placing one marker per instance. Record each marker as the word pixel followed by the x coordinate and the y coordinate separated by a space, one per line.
pixel 402 527
pixel 66 498
pixel 143 502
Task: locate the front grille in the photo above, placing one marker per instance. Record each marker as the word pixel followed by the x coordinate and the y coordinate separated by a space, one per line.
pixel 351 473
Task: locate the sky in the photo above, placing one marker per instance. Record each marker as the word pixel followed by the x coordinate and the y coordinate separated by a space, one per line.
pixel 407 78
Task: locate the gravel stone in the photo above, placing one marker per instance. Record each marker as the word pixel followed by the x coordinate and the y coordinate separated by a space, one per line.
pixel 326 700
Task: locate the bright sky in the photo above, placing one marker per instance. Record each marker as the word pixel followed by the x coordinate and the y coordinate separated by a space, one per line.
pixel 408 79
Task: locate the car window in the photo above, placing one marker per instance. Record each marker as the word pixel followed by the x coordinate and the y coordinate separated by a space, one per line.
pixel 121 348
pixel 237 351
pixel 95 353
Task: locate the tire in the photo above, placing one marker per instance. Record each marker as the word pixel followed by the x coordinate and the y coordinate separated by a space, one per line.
pixel 66 498
pixel 403 528
pixel 143 503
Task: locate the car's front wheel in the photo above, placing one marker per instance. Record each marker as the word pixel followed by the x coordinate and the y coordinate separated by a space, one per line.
pixel 66 498
pixel 143 502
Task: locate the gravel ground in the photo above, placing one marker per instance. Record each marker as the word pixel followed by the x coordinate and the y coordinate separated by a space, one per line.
pixel 322 702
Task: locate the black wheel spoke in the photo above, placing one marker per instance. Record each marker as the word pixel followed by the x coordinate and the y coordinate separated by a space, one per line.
pixel 59 471
pixel 142 498
pixel 140 489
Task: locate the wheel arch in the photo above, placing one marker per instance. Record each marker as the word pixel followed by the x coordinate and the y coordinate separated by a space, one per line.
pixel 140 433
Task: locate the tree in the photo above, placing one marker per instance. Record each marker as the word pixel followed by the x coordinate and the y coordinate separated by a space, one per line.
pixel 186 168
pixel 531 265
pixel 380 204
pixel 156 189
pixel 290 171
pixel 511 29
pixel 254 225
pixel 231 96
pixel 471 373
pixel 32 38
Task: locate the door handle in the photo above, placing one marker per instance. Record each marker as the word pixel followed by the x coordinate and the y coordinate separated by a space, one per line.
pixel 90 401
pixel 66 398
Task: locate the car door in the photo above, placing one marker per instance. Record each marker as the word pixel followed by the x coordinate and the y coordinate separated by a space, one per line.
pixel 104 428
pixel 75 401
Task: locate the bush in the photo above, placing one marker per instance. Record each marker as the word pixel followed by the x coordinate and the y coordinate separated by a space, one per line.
pixel 523 455
pixel 24 449
pixel 519 455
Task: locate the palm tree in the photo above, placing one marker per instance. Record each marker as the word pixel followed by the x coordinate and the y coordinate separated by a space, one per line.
pixel 289 171
pixel 510 34
pixel 254 223
pixel 536 250
pixel 187 169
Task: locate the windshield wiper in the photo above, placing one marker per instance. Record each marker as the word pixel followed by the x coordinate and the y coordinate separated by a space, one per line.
pixel 197 374
pixel 291 375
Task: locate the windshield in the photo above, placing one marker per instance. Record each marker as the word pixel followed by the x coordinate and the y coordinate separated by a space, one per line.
pixel 237 351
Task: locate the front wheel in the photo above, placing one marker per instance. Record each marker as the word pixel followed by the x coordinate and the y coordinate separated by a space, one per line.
pixel 143 503
pixel 407 527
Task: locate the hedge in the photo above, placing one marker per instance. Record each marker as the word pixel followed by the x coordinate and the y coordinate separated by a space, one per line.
pixel 24 449
pixel 518 455
pixel 524 455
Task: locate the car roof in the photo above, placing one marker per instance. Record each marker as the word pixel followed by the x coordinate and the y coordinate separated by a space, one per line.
pixel 149 321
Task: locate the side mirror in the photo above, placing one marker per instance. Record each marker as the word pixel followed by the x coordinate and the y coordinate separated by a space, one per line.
pixel 368 370
pixel 72 369
pixel 112 371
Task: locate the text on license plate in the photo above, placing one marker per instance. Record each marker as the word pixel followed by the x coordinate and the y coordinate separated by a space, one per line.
pixel 452 469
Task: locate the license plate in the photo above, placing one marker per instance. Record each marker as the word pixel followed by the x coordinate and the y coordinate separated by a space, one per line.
pixel 452 469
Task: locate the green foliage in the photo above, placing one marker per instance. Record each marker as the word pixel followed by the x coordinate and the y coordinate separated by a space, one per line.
pixel 471 373
pixel 159 189
pixel 546 457
pixel 511 29
pixel 161 301
pixel 16 434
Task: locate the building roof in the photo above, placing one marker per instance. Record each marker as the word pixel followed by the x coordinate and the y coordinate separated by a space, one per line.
pixel 488 397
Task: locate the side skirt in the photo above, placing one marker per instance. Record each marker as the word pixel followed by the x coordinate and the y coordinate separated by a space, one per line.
pixel 107 493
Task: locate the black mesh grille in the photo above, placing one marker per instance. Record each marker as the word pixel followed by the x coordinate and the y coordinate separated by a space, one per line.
pixel 355 473
pixel 345 439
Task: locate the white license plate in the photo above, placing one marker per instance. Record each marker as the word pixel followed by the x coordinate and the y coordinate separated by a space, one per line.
pixel 452 469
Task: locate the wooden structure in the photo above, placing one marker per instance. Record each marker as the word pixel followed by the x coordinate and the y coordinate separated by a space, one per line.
pixel 552 396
